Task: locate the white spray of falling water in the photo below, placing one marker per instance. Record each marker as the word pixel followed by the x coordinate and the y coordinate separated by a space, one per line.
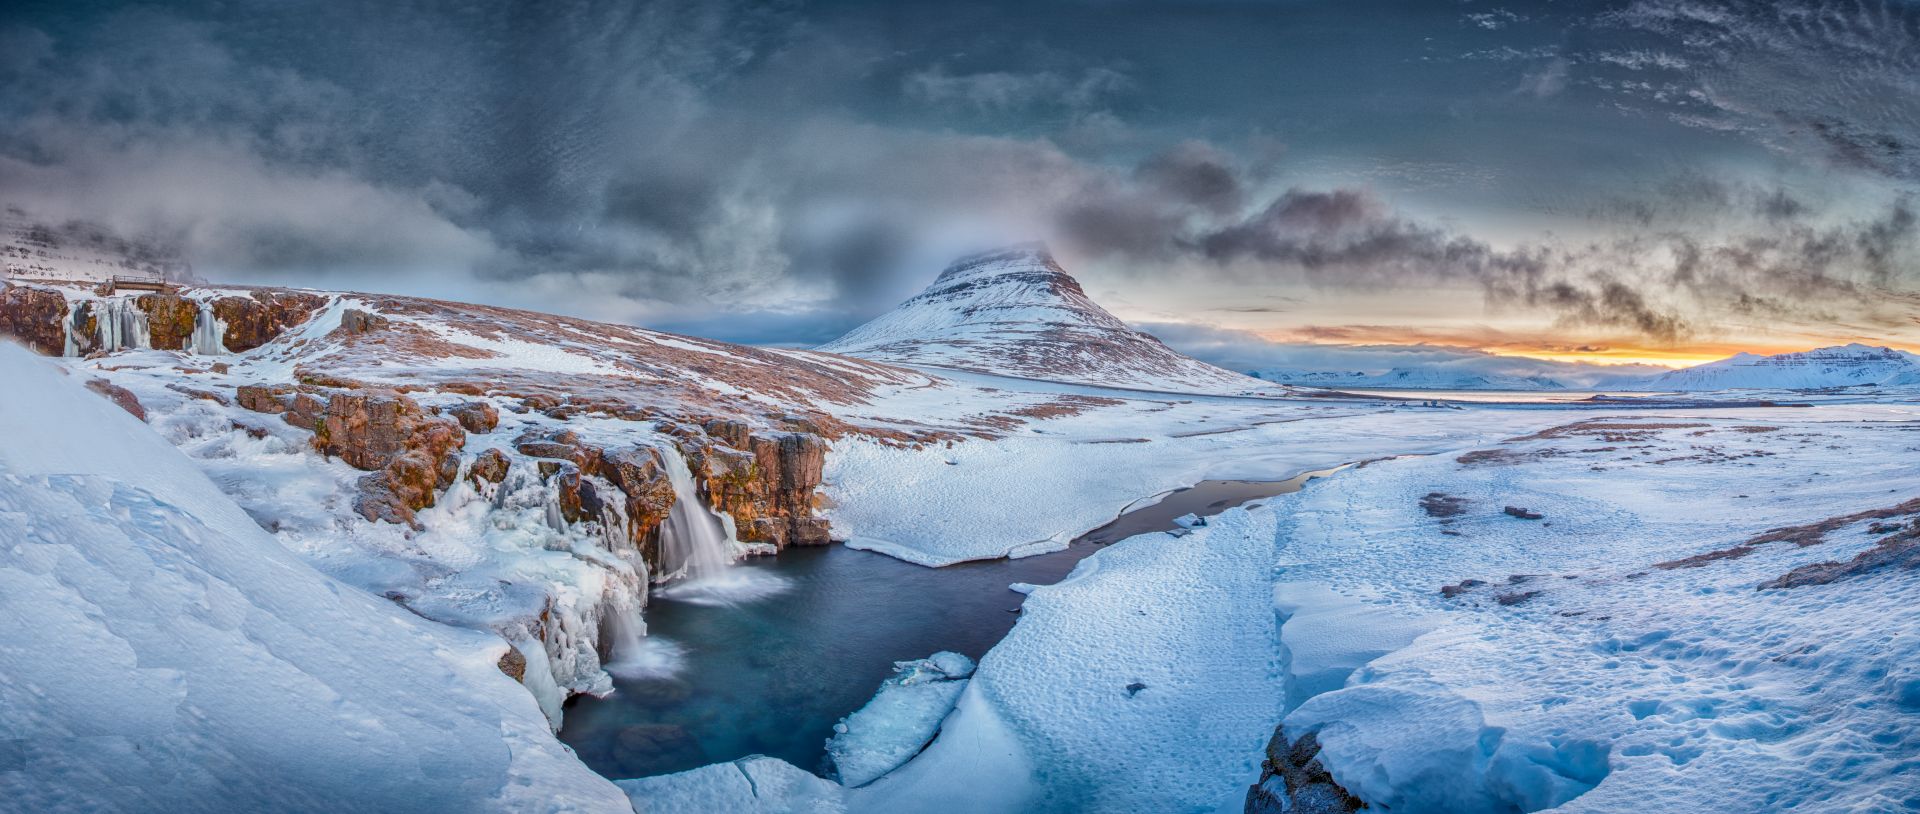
pixel 697 549
pixel 207 332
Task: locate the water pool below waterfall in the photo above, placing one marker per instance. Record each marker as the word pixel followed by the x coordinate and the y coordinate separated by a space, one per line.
pixel 772 675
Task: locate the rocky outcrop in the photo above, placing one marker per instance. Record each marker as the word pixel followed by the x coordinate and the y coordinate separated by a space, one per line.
pixel 170 319
pixel 638 473
pixel 86 329
pixel 355 322
pixel 1293 780
pixel 263 316
pixel 118 395
pixel 764 480
pixel 490 466
pixel 263 399
pixel 514 664
pixel 477 417
pixel 35 316
pixel 412 453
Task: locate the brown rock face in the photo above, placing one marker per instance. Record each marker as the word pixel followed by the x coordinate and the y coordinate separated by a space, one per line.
pixel 412 453
pixel 355 322
pixel 170 319
pixel 764 480
pixel 35 316
pixel 86 329
pixel 491 466
pixel 118 395
pixel 477 417
pixel 261 318
pixel 1292 778
pixel 263 399
pixel 369 430
pixel 641 476
pixel 513 664
pixel 305 411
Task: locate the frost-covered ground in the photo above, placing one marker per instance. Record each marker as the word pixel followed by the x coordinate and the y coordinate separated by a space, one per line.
pixel 1613 653
pixel 1622 651
pixel 1048 481
pixel 161 652
pixel 1581 658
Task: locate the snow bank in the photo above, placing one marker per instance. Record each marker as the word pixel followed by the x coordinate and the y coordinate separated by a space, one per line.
pixel 1325 636
pixel 161 652
pixel 750 785
pixel 1145 681
pixel 1409 744
pixel 1605 658
pixel 902 717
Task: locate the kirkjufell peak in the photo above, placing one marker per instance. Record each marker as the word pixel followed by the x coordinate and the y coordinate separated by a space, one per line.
pixel 1016 312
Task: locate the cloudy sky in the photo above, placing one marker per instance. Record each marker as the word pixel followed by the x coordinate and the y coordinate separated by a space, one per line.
pixel 1665 180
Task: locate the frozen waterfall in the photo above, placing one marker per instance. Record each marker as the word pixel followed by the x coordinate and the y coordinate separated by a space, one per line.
pixel 121 325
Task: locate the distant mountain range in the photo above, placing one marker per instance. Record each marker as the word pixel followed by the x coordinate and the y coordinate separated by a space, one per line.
pixel 1412 379
pixel 1842 366
pixel 1852 365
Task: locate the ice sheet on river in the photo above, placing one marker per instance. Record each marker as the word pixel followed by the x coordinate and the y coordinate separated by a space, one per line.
pixel 902 717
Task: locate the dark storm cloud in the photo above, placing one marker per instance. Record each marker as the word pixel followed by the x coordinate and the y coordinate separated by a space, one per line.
pixel 1836 77
pixel 1774 256
pixel 1197 173
pixel 687 160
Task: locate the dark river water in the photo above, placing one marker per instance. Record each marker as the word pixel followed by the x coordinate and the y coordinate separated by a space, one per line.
pixel 771 675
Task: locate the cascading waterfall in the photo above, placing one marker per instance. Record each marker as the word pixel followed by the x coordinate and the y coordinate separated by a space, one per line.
pixel 697 548
pixel 207 332
pixel 72 347
pixel 694 544
pixel 121 325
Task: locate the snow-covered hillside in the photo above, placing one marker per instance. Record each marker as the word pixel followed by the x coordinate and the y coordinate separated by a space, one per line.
pixel 1842 366
pixel 1015 312
pixel 161 652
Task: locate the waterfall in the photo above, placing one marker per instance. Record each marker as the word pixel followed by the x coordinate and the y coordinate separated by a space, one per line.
pixel 72 347
pixel 207 332
pixel 697 548
pixel 122 325
pixel 694 544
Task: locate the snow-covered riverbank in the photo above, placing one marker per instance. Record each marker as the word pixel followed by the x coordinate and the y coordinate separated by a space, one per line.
pixel 1621 640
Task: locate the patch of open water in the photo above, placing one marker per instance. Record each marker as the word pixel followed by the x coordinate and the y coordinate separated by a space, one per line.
pixel 772 675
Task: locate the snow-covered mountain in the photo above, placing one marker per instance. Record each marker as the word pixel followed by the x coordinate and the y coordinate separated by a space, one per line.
pixel 1411 379
pixel 1843 366
pixel 1016 312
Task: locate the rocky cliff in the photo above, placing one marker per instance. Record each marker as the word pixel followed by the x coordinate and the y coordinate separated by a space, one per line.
pixel 480 466
pixel 35 316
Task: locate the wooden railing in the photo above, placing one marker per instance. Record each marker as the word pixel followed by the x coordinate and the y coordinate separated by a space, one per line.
pixel 137 284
